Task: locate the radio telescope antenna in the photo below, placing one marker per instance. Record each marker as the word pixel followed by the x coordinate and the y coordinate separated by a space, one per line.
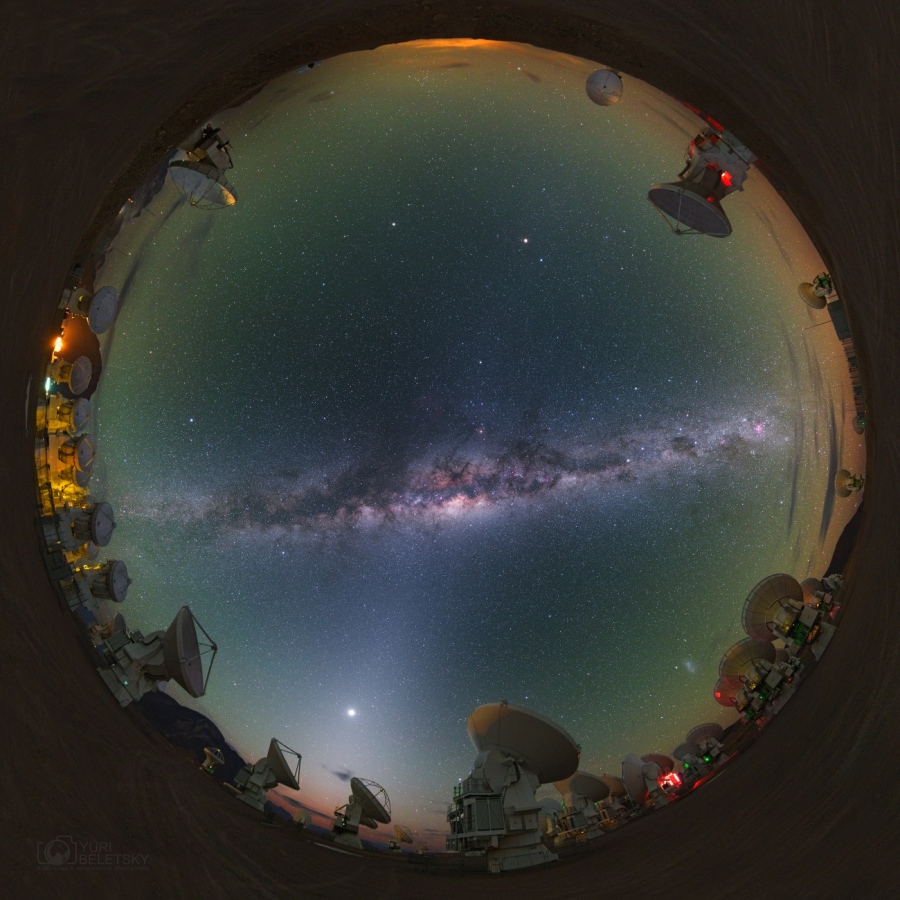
pixel 202 185
pixel 518 750
pixel 402 835
pixel 717 165
pixel 768 597
pixel 137 662
pixel 213 758
pixel 253 781
pixel 604 87
pixel 641 780
pixel 739 659
pixel 846 484
pixel 100 309
pixel 815 293
pixel 76 376
pixel 580 819
pixel 368 805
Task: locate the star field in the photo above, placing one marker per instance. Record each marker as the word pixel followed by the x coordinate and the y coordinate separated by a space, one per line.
pixel 441 413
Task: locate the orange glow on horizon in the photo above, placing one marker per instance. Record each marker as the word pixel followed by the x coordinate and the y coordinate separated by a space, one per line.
pixel 456 43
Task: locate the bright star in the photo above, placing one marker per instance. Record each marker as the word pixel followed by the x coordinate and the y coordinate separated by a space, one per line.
pixel 351 712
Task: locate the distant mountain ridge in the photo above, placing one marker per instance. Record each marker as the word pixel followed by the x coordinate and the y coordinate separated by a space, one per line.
pixel 190 730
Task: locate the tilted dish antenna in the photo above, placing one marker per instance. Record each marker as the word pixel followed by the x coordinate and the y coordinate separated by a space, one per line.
pixel 373 798
pixel 99 309
pixel 368 805
pixel 692 207
pixel 725 692
pixel 616 786
pixel 76 376
pixel 685 749
pixel 67 416
pixel 402 835
pixel 708 731
pixel 584 784
pixel 664 762
pixel 212 759
pixel 536 743
pixel 740 658
pixel 811 587
pixel 768 597
pixel 846 483
pixel 809 296
pixel 273 769
pixel 202 185
pixel 604 87
pixel 111 581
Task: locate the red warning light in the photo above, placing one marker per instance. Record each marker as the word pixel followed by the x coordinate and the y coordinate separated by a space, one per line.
pixel 726 178
pixel 670 781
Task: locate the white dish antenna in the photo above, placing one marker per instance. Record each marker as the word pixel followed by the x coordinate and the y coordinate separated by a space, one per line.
pixel 604 87
pixel 740 657
pixel 692 207
pixel 279 765
pixel 663 762
pixel 183 654
pixel 76 376
pixel 95 524
pixel 112 581
pixel 212 759
pixel 633 778
pixel 373 799
pixel 685 749
pixel 79 452
pixel 708 731
pixel 592 787
pixel 202 185
pixel 725 692
pixel 544 748
pixel 616 785
pixel 809 296
pixel 67 416
pixel 810 587
pixel 768 597
pixel 402 834
pixel 100 309
pixel 846 483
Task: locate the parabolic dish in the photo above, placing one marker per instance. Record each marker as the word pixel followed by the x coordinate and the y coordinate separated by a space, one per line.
pixel 543 747
pixel 181 651
pixel 203 186
pixel 373 798
pixel 690 205
pixel 79 377
pixel 633 777
pixel 368 821
pixel 616 785
pixel 102 524
pixel 604 87
pixel 591 786
pixel 81 412
pixel 685 749
pixel 705 732
pixel 81 477
pixel 215 754
pixel 724 693
pixel 83 451
pixel 659 759
pixel 810 298
pixel 764 601
pixel 740 657
pixel 842 482
pixel 117 580
pixel 403 834
pixel 810 586
pixel 279 766
pixel 101 309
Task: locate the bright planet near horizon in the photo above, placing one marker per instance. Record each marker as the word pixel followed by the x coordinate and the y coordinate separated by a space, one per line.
pixel 441 413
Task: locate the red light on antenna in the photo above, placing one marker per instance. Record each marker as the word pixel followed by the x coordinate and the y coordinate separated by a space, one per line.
pixel 718 694
pixel 726 178
pixel 670 780
pixel 714 123
pixel 711 199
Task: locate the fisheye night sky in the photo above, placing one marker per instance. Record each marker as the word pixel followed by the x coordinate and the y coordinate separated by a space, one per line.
pixel 442 413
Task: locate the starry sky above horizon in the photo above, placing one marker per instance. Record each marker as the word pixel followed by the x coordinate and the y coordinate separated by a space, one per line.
pixel 441 413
